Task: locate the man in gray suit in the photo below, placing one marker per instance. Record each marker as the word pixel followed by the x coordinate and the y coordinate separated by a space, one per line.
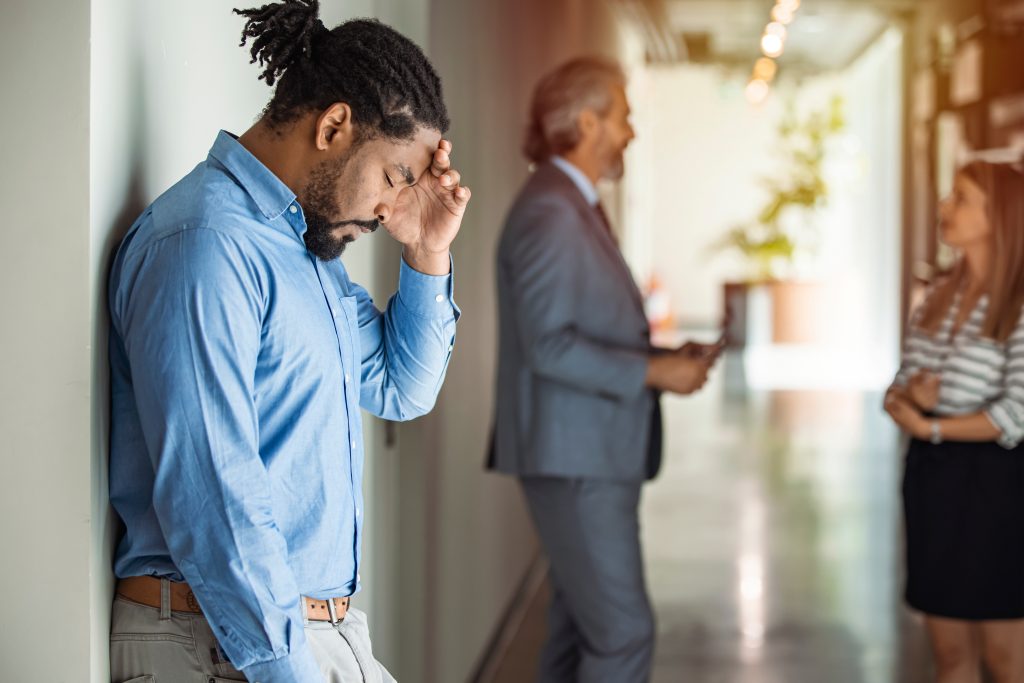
pixel 578 419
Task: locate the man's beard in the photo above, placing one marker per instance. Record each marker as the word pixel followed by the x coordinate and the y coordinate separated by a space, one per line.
pixel 616 166
pixel 319 202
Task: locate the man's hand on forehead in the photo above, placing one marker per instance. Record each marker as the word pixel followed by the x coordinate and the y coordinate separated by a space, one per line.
pixel 441 168
pixel 442 158
pixel 428 215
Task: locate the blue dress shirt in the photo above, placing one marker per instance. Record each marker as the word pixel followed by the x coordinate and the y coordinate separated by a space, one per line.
pixel 579 179
pixel 239 363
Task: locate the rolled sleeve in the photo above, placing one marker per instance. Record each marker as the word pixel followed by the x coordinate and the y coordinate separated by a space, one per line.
pixel 1007 413
pixel 1007 418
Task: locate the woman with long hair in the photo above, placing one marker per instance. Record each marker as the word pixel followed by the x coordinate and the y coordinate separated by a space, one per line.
pixel 960 395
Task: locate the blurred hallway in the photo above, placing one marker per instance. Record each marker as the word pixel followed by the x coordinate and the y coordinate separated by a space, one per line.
pixel 773 542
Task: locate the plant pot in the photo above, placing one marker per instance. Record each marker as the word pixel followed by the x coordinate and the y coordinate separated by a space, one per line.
pixel 798 312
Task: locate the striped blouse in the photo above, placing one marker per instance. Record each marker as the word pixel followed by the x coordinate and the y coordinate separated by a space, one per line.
pixel 977 374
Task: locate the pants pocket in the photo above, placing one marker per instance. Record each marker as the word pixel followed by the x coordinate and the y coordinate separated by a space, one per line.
pixel 168 658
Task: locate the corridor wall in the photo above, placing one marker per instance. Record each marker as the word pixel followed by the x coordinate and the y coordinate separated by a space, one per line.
pixel 46 511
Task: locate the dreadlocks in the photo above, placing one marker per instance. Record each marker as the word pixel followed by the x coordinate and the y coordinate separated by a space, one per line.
pixel 383 76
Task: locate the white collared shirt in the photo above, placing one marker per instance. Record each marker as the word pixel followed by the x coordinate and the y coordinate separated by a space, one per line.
pixel 978 374
pixel 579 178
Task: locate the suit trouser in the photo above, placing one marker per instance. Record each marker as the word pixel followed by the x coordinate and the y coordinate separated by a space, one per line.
pixel 600 624
pixel 149 644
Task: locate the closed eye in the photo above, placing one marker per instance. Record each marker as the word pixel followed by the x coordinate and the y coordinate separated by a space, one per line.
pixel 388 178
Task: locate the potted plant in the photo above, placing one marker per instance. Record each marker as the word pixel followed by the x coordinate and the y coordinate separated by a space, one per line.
pixel 783 230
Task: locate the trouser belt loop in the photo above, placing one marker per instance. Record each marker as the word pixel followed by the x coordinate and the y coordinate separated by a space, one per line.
pixel 165 600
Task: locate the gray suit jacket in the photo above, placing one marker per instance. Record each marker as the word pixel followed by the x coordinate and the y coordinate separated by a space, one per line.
pixel 574 343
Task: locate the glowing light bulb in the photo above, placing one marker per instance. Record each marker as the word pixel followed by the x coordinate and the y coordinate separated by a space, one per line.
pixel 757 91
pixel 772 45
pixel 765 69
pixel 776 29
pixel 783 14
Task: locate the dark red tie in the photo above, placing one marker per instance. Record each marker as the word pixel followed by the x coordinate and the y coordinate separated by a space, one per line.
pixel 607 224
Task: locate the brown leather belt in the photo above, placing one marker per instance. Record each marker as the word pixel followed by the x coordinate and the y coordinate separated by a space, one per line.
pixel 145 590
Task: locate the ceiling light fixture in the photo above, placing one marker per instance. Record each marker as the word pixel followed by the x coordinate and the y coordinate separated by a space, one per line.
pixel 773 44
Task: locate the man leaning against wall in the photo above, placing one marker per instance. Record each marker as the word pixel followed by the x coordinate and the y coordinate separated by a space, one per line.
pixel 241 354
pixel 578 419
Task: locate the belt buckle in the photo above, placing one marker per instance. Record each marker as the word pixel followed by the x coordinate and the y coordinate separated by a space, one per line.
pixel 332 611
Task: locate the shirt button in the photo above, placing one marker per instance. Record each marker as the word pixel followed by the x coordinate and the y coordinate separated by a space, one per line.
pixel 348 378
pixel 353 444
pixel 293 208
pixel 439 298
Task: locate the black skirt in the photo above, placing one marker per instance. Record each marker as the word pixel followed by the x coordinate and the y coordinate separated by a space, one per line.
pixel 963 505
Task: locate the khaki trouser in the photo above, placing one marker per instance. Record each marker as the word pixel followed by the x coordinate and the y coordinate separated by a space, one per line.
pixel 150 645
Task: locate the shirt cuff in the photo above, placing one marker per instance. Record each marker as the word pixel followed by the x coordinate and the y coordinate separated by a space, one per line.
pixel 428 296
pixel 1010 432
pixel 297 667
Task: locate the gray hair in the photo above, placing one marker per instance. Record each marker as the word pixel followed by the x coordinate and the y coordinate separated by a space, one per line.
pixel 560 97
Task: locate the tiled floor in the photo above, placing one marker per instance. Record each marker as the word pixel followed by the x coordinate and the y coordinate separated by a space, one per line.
pixel 773 540
pixel 773 543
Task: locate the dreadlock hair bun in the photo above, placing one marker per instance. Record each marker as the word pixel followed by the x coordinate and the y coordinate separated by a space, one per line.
pixel 282 32
pixel 386 80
